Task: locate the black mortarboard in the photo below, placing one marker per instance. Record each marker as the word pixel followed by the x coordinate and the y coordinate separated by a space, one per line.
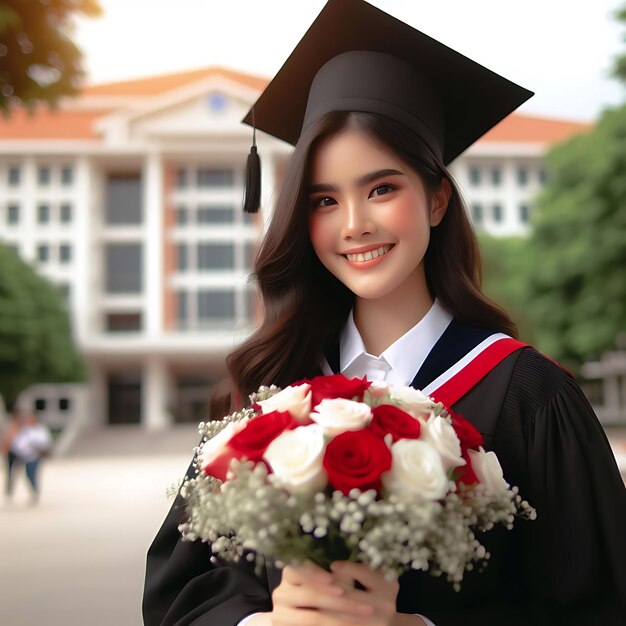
pixel 355 57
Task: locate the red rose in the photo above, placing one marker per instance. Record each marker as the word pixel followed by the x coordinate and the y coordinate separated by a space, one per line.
pixel 466 472
pixel 391 420
pixel 336 386
pixel 259 432
pixel 356 459
pixel 466 432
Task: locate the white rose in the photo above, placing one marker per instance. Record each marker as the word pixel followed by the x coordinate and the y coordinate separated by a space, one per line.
pixel 211 449
pixel 416 471
pixel 439 433
pixel 296 400
pixel 376 392
pixel 336 415
pixel 488 470
pixel 412 401
pixel 296 458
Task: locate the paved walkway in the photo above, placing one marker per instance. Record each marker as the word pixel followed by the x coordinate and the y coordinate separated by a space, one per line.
pixel 78 558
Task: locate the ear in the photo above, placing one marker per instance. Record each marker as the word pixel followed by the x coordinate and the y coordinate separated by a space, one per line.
pixel 439 202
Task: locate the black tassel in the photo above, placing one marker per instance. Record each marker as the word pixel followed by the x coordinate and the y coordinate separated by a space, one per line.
pixel 252 199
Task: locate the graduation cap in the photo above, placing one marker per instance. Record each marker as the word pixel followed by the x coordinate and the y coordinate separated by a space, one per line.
pixel 355 57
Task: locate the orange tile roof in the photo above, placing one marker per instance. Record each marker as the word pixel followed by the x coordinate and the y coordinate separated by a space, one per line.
pixel 526 128
pixel 155 85
pixel 79 123
pixel 43 123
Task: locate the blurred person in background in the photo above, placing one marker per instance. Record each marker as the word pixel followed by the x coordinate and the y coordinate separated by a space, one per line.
pixel 25 441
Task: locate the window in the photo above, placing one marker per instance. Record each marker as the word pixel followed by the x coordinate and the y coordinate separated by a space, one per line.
pixel 13 214
pixel 474 176
pixel 40 404
pixel 215 215
pixel 216 305
pixel 65 253
pixel 522 176
pixel 43 175
pixel 182 301
pixel 123 322
pixel 65 404
pixel 182 215
pixel 251 303
pixel 181 178
pixel 67 175
pixel 249 254
pixel 14 176
pixel 66 213
pixel 543 175
pixel 477 213
pixel 214 178
pixel 524 213
pixel 497 213
pixel 66 291
pixel 123 199
pixel 496 176
pixel 123 268
pixel 182 257
pixel 216 256
pixel 43 253
pixel 43 214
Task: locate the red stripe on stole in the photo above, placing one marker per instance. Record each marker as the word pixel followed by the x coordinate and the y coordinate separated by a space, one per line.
pixel 456 387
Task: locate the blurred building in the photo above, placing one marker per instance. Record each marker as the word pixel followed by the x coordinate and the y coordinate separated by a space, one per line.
pixel 128 198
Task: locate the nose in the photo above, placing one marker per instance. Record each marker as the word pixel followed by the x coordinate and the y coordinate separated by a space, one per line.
pixel 356 221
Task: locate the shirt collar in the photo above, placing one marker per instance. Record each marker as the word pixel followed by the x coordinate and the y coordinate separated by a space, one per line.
pixel 407 354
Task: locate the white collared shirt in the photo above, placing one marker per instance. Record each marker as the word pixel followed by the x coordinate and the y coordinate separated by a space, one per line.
pixel 399 363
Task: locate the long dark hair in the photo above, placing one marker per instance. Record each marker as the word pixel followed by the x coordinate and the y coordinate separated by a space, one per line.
pixel 305 306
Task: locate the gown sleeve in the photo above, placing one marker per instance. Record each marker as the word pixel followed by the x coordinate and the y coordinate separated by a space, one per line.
pixel 576 564
pixel 183 587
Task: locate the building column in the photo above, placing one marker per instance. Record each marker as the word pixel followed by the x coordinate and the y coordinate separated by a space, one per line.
pixel 153 242
pixel 154 395
pixel 84 247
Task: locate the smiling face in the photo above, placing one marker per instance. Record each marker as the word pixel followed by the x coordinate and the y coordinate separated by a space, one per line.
pixel 370 216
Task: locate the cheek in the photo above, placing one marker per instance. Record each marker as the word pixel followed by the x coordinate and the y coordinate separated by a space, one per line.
pixel 408 216
pixel 320 232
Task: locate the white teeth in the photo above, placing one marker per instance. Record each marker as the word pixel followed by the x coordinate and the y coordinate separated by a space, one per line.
pixel 369 255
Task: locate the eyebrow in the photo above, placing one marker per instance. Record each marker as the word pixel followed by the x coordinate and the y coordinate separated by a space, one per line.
pixel 359 182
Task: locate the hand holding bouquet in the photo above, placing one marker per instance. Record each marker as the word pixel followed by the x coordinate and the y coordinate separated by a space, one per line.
pixel 334 469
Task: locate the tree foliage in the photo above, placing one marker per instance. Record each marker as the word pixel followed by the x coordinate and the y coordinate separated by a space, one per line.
pixel 507 267
pixel 36 343
pixel 39 62
pixel 577 287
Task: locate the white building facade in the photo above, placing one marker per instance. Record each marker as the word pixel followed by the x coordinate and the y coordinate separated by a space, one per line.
pixel 129 200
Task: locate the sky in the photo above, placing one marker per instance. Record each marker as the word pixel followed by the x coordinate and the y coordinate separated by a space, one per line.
pixel 560 49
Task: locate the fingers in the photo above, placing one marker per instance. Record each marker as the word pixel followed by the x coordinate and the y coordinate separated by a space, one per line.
pixel 321 599
pixel 311 587
pixel 309 573
pixel 369 578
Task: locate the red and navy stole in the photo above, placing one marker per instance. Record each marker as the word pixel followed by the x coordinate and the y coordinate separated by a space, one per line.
pixel 459 360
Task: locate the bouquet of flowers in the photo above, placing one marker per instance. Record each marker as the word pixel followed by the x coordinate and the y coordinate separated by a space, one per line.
pixel 336 469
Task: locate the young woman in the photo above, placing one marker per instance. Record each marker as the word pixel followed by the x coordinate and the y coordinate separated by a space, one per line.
pixel 370 267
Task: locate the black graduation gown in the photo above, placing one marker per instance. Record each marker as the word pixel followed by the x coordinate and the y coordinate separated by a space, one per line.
pixel 566 568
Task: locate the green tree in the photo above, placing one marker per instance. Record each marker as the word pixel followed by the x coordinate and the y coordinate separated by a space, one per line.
pixel 36 343
pixel 506 269
pixel 39 62
pixel 578 286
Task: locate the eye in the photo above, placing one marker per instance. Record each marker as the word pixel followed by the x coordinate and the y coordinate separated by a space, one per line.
pixel 381 190
pixel 324 201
